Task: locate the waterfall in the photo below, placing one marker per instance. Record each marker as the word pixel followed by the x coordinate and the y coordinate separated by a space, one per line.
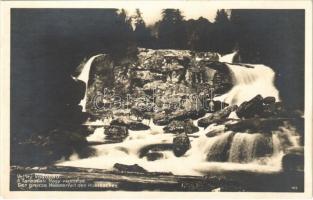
pixel 84 76
pixel 249 82
pixel 224 150
pixel 228 58
pixel 246 147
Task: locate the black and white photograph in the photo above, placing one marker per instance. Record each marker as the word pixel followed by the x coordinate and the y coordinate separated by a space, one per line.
pixel 158 98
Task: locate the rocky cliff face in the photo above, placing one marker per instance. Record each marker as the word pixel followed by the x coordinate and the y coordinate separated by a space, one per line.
pixel 160 81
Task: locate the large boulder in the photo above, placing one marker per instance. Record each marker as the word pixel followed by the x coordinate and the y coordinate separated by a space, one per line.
pixel 252 108
pixel 116 133
pixel 259 107
pixel 181 144
pixel 217 117
pixel 186 126
pixel 293 160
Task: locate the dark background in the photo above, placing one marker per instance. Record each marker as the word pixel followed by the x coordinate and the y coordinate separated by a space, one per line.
pixel 48 44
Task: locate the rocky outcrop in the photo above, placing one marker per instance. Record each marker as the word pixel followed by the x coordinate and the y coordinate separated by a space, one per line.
pixel 252 108
pixel 259 107
pixel 116 133
pixel 293 159
pixel 222 78
pixel 256 125
pixel 186 126
pixel 293 162
pixel 181 144
pixel 163 118
pixel 217 117
pixel 130 124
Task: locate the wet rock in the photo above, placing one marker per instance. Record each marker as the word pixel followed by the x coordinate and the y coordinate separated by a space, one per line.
pixel 269 100
pixel 129 168
pixel 217 117
pixel 293 160
pixel 181 144
pixel 116 133
pixel 187 114
pixel 155 148
pixel 190 127
pixel 250 108
pixel 256 125
pixel 222 78
pixel 280 110
pixel 213 133
pixel 152 156
pixel 161 119
pixel 259 107
pixel 131 125
pixel 118 122
pixel 186 126
pixel 137 126
pixel 268 110
pixel 269 107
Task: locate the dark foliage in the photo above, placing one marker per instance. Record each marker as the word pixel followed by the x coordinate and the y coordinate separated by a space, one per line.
pixel 274 38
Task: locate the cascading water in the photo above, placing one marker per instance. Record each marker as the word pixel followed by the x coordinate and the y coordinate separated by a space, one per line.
pixel 225 151
pixel 84 76
pixel 248 82
pixel 228 58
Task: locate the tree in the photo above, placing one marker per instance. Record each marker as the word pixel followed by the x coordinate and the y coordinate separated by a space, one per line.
pixel 199 32
pixel 172 31
pixel 142 33
pixel 222 39
pixel 125 47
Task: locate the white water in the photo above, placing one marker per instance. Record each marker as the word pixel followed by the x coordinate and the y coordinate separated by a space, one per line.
pixel 194 162
pixel 242 149
pixel 84 76
pixel 249 82
pixel 228 58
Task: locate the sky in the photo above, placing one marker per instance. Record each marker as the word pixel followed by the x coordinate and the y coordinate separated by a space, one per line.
pixel 153 14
